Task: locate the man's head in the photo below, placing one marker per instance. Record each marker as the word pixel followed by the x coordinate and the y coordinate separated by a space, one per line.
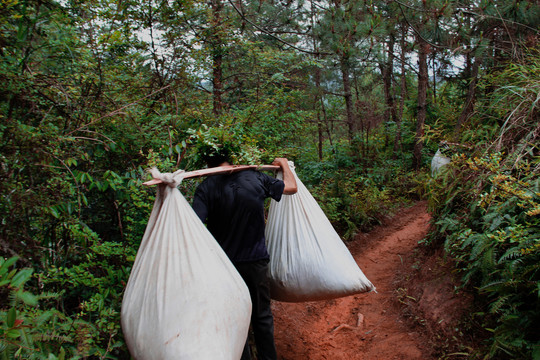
pixel 215 157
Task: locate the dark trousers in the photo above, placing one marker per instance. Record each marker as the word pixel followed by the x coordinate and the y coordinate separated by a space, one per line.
pixel 262 321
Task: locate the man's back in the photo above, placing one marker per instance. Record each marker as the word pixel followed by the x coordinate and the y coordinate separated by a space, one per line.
pixel 232 206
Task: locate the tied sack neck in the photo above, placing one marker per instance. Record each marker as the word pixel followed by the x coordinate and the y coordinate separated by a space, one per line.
pixel 170 179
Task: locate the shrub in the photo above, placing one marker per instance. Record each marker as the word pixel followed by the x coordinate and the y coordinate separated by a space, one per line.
pixel 485 213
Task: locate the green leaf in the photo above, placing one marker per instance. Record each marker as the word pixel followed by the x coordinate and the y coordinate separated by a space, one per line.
pixel 7 263
pixel 11 274
pixel 54 212
pixel 11 317
pixel 13 334
pixel 21 277
pixel 62 354
pixel 71 161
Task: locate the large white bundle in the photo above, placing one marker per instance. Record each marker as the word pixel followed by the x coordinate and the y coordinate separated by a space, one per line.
pixel 308 259
pixel 184 298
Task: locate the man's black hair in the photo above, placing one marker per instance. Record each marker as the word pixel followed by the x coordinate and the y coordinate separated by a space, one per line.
pixel 216 157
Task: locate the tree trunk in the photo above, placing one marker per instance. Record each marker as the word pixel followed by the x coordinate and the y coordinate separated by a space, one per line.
pixel 318 93
pixel 318 99
pixel 387 71
pixel 217 57
pixel 468 107
pixel 217 84
pixel 403 86
pixel 422 96
pixel 320 131
pixel 347 94
pixel 434 65
pixel 328 129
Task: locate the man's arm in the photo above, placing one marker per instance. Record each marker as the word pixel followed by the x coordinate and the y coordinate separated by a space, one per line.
pixel 288 176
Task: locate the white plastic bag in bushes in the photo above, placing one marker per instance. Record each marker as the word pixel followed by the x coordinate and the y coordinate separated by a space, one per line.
pixel 308 259
pixel 184 298
pixel 438 161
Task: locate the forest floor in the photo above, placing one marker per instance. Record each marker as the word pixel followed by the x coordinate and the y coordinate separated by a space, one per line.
pixel 416 312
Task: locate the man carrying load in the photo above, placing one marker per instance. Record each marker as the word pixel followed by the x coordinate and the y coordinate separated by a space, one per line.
pixel 232 206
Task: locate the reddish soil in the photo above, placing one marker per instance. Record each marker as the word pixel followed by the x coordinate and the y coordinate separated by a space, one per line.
pixel 399 321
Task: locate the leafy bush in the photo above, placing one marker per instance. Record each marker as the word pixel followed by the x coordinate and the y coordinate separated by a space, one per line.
pixel 353 202
pixel 486 214
pixel 486 208
pixel 28 331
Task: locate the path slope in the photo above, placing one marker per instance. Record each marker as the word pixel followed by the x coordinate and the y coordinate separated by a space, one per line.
pixel 365 326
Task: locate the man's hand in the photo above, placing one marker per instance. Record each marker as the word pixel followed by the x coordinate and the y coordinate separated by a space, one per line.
pixel 282 162
pixel 288 177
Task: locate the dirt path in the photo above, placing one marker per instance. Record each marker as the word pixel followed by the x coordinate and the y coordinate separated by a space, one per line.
pixel 364 326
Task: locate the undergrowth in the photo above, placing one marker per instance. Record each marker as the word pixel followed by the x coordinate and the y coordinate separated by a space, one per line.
pixel 486 215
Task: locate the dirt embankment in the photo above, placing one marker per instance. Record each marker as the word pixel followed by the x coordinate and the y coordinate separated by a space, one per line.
pixel 396 322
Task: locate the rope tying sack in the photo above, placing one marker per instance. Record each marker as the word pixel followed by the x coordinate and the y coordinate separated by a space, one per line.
pixel 172 180
pixel 184 299
pixel 308 259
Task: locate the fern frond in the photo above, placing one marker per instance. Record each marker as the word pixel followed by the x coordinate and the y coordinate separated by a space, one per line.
pixel 45 317
pixel 532 269
pixel 469 275
pixel 487 261
pixel 479 247
pixel 493 284
pixel 516 264
pixel 49 295
pixel 12 298
pixel 471 240
pixel 502 286
pixel 6 350
pixel 53 337
pixel 497 305
pixel 512 253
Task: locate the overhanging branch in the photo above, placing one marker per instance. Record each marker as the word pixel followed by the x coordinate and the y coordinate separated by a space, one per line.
pixel 272 35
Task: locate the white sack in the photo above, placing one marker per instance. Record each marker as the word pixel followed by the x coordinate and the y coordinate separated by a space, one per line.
pixel 184 298
pixel 308 259
pixel 438 161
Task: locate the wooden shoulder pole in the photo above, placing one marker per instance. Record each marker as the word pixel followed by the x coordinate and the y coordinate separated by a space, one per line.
pixel 229 169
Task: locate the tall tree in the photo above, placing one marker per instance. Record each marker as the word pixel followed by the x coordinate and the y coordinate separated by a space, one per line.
pixel 217 55
pixel 345 29
pixel 423 51
pixel 428 21
pixel 389 11
pixel 387 72
pixel 403 84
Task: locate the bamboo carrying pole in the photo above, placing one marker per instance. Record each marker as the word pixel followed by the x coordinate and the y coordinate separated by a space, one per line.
pixel 228 169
